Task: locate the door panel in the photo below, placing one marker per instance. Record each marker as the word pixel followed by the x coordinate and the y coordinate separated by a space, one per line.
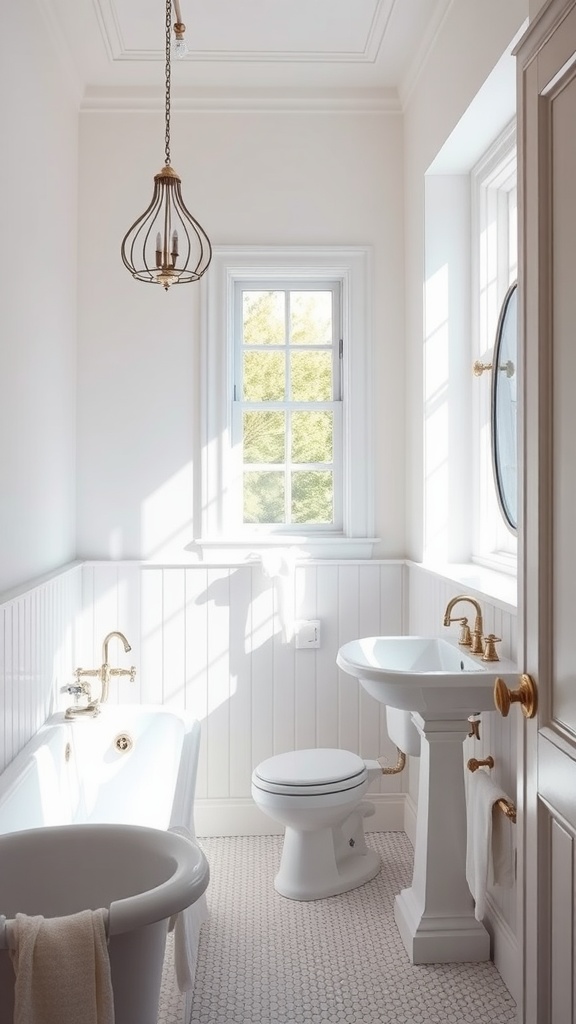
pixel 562 101
pixel 547 323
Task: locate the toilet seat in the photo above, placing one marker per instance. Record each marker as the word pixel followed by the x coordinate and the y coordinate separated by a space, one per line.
pixel 310 772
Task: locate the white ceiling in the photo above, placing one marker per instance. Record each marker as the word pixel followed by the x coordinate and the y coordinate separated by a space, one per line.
pixel 302 46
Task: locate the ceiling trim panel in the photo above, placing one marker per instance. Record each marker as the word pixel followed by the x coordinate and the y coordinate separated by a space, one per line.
pixel 118 48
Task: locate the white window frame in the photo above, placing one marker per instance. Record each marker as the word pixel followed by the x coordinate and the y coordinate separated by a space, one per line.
pixel 494 260
pixel 222 533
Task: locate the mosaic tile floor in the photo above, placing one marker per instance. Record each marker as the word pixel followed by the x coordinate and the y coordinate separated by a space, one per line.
pixel 268 960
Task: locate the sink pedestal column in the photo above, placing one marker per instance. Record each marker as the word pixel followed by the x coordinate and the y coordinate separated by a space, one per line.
pixel 435 916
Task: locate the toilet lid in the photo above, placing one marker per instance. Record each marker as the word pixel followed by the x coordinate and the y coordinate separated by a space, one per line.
pixel 311 772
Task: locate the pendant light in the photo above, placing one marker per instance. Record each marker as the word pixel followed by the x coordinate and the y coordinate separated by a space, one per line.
pixel 166 245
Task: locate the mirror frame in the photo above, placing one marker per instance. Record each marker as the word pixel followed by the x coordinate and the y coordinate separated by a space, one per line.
pixel 510 368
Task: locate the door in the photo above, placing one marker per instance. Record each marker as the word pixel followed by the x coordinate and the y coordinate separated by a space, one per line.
pixel 547 152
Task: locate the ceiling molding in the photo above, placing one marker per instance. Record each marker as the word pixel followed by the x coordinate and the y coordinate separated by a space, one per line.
pixel 142 100
pixel 410 79
pixel 118 50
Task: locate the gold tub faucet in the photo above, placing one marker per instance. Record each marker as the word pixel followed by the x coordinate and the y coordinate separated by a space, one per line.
pixel 475 638
pixel 104 674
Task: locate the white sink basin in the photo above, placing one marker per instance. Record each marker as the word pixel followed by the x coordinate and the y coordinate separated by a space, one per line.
pixel 424 674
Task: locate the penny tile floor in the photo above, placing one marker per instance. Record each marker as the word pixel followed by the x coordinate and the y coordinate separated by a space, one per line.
pixel 264 959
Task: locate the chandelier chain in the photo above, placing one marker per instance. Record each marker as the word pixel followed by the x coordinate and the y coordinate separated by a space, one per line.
pixel 167 102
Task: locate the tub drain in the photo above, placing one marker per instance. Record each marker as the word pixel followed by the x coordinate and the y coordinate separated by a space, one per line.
pixel 123 742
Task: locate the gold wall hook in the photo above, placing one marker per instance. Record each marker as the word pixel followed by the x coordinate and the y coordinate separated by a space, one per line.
pixel 474 764
pixel 478 368
pixel 526 695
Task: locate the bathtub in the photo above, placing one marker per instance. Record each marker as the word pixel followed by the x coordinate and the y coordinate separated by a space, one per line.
pixel 139 876
pixel 132 764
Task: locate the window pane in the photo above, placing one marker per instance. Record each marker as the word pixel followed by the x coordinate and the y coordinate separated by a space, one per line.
pixel 312 500
pixel 264 435
pixel 312 436
pixel 264 497
pixel 311 376
pixel 311 318
pixel 264 318
pixel 264 376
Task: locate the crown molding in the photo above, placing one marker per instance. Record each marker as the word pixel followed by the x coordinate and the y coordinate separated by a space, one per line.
pixel 215 101
pixel 417 65
pixel 118 50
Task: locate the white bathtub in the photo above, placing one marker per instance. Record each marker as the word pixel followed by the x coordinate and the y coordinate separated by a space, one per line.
pixel 74 772
pixel 140 876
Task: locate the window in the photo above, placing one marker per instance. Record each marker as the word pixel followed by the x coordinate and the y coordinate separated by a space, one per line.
pixel 494 269
pixel 288 403
pixel 286 416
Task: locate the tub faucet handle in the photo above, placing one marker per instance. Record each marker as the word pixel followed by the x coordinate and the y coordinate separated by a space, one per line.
pixel 75 690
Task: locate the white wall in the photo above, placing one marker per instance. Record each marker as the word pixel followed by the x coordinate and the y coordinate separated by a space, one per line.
pixel 38 179
pixel 318 177
pixel 470 42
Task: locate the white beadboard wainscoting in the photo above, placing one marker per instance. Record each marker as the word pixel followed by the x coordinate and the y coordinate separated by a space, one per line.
pixel 37 637
pixel 217 640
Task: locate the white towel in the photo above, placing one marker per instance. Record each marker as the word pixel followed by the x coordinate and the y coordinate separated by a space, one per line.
pixel 62 969
pixel 489 849
pixel 186 926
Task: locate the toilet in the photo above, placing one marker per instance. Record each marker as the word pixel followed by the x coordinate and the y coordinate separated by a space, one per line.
pixel 317 796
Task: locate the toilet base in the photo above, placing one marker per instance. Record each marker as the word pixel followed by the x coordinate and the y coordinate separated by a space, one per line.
pixel 328 861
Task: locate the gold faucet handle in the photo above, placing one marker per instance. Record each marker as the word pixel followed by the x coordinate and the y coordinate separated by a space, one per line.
pixel 490 652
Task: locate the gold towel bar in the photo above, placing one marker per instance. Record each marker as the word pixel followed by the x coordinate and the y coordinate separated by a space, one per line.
pixel 508 809
pixel 506 806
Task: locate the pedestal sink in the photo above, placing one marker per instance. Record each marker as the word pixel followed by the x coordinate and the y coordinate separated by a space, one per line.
pixel 439 684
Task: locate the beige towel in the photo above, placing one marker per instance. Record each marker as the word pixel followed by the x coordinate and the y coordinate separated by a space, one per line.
pixel 489 849
pixel 62 969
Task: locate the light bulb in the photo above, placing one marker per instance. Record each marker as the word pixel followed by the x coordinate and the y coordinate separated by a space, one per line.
pixel 179 48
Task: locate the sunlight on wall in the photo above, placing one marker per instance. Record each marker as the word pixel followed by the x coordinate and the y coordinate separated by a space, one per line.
pixel 166 517
pixel 436 425
pixel 260 626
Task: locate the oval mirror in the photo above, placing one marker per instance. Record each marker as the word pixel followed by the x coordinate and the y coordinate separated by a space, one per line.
pixel 504 398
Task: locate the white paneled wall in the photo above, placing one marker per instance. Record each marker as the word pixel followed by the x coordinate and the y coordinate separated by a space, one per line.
pixel 218 640
pixel 36 656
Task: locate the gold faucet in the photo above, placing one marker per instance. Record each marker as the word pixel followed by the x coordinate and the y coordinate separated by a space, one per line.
pixel 104 674
pixel 468 638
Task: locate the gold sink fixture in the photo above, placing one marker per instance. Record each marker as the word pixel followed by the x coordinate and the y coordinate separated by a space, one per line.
pixel 474 639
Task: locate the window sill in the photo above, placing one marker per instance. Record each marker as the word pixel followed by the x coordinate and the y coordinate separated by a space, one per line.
pixel 499 587
pixel 250 547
